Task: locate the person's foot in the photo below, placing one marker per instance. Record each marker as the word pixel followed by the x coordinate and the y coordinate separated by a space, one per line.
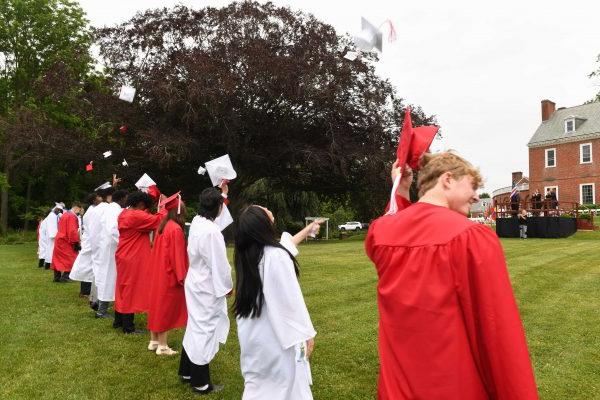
pixel 66 280
pixel 117 325
pixel 185 379
pixel 165 351
pixel 153 345
pixel 103 315
pixel 208 390
pixel 83 296
pixel 94 305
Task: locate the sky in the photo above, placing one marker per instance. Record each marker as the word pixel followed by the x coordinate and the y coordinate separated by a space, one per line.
pixel 481 67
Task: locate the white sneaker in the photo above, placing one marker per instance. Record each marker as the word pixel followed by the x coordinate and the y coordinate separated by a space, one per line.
pixel 165 351
pixel 153 345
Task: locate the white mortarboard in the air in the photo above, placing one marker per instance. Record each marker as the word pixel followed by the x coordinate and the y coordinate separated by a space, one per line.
pixel 369 37
pixel 105 185
pixel 352 55
pixel 201 170
pixel 144 182
pixel 127 93
pixel 220 169
pixel 60 206
pixel 124 163
pixel 107 154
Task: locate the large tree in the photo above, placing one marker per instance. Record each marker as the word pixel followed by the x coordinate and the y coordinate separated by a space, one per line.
pixel 44 59
pixel 265 84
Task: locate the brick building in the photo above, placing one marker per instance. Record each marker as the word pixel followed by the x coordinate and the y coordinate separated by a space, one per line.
pixel 564 153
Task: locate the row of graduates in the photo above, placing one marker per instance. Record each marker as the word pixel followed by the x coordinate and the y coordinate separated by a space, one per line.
pixel 141 261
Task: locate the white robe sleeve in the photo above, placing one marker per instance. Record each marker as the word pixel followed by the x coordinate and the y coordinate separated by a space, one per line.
pixel 287 311
pixel 219 265
pixel 52 226
pixel 224 219
pixel 286 241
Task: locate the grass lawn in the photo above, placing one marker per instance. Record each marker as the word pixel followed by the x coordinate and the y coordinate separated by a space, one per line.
pixel 53 348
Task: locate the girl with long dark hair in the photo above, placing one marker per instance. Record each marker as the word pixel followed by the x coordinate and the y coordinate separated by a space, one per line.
pixel 274 328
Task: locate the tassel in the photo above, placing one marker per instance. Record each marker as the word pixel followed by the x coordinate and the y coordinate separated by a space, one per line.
pixel 392 35
pixel 393 205
pixel 178 204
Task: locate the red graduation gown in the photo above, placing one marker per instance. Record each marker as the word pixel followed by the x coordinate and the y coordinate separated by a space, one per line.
pixel 132 258
pixel 64 255
pixel 449 326
pixel 169 265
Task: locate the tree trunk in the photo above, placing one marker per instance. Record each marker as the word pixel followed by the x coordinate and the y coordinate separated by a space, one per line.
pixel 27 203
pixel 4 204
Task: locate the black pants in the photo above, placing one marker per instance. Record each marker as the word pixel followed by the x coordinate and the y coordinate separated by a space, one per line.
pixel 200 374
pixel 125 321
pixel 46 265
pixel 85 288
pixel 41 263
pixel 57 275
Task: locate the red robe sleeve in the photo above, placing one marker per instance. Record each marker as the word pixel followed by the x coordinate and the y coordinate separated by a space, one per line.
pixel 177 253
pixel 147 222
pixel 491 316
pixel 73 230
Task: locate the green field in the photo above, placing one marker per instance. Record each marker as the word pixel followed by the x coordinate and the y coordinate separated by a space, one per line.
pixel 53 348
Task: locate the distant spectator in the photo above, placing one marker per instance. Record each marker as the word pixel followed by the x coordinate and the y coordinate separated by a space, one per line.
pixel 523 224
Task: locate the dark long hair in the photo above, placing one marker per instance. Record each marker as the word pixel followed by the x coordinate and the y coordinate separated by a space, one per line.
pixel 254 231
pixel 173 216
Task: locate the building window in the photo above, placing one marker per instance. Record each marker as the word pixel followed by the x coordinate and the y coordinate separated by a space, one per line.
pixel 550 158
pixel 569 125
pixel 585 153
pixel 587 193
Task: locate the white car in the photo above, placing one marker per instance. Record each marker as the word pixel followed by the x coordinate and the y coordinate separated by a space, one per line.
pixel 350 226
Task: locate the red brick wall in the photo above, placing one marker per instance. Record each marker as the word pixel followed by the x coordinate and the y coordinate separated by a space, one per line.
pixel 568 173
pixel 505 198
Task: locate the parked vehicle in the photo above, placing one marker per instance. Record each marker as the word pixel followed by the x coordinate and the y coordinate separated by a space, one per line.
pixel 350 226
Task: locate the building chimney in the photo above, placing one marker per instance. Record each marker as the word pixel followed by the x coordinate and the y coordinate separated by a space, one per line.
pixel 516 178
pixel 548 108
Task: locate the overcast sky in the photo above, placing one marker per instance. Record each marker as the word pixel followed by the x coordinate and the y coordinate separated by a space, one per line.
pixel 482 68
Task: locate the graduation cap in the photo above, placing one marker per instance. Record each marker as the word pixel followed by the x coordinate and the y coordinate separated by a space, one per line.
pixel 369 37
pixel 414 142
pixel 172 201
pixel 220 169
pixel 89 167
pixel 201 171
pixel 105 185
pixel 107 154
pixel 147 185
pixel 127 93
pixel 352 55
pixel 60 206
pixel 124 163
pixel 123 129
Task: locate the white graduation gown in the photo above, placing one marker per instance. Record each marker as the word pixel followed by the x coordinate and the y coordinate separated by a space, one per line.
pixel 104 237
pixel 51 224
pixel 42 239
pixel 269 343
pixel 82 267
pixel 207 283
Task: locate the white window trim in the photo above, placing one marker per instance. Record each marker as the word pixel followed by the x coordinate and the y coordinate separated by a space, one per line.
pixel 581 154
pixel 574 125
pixel 581 185
pixel 546 157
pixel 550 187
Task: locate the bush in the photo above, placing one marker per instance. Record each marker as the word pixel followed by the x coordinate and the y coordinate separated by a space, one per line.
pixel 18 237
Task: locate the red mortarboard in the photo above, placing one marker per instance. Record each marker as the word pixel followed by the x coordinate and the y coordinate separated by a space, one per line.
pixel 123 129
pixel 414 142
pixel 89 167
pixel 154 192
pixel 172 201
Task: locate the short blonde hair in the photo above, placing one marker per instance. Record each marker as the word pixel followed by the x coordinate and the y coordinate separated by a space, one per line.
pixel 435 165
